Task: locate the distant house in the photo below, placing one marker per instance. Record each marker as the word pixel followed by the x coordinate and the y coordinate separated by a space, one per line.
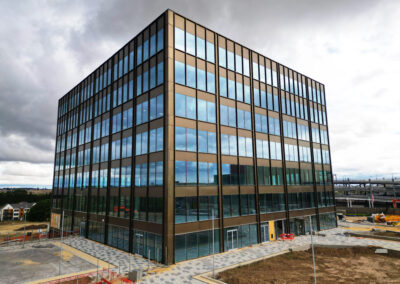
pixel 15 211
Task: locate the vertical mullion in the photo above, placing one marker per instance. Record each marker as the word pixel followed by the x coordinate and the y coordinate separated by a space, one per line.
pixel 90 159
pixel 282 139
pixel 255 164
pixel 219 155
pixel 133 148
pixel 169 256
pixel 110 134
pixel 312 154
pixel 76 159
pixel 197 121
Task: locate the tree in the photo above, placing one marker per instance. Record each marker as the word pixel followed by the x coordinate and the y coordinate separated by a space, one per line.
pixel 40 211
pixel 18 195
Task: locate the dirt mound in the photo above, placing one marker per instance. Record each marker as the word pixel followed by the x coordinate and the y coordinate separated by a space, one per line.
pixel 32 227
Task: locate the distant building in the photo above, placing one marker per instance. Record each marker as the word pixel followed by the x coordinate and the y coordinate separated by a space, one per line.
pixel 182 130
pixel 15 211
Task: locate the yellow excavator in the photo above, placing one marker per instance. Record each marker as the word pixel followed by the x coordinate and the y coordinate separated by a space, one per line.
pixel 388 219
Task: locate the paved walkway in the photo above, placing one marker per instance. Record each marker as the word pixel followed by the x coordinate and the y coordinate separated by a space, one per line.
pixel 117 257
pixel 184 272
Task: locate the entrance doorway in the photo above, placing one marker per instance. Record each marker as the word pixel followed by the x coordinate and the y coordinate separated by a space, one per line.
pixel 232 239
pixel 82 228
pixel 299 228
pixel 279 228
pixel 139 248
pixel 265 232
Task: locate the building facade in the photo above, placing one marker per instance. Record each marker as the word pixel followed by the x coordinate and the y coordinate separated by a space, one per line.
pixel 15 211
pixel 184 139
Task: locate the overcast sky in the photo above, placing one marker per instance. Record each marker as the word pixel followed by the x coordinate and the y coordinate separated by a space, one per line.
pixel 353 47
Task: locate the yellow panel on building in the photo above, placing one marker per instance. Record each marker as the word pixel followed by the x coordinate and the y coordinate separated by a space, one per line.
pixel 272 236
pixel 55 220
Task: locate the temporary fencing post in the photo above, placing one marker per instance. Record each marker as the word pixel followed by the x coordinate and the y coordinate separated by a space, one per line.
pixel 61 240
pixel 23 244
pixel 312 247
pixel 213 250
pixel 129 255
pixel 97 273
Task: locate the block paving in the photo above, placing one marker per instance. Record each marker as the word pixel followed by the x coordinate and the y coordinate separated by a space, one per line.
pixel 183 272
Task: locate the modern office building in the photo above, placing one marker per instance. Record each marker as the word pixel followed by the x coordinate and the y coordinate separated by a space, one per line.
pixel 184 132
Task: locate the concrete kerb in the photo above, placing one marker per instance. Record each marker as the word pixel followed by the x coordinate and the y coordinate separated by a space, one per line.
pixel 300 248
pixel 371 236
pixel 206 277
pixel 89 258
pixel 45 280
pixel 339 246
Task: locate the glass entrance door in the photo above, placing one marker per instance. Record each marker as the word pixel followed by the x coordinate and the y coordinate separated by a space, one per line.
pixel 264 232
pixel 82 228
pixel 279 228
pixel 232 239
pixel 299 227
pixel 139 248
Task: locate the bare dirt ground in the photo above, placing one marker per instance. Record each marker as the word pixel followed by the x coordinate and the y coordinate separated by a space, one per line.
pixel 13 226
pixel 334 265
pixel 356 218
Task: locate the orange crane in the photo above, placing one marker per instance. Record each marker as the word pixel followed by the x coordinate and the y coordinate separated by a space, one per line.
pixel 395 201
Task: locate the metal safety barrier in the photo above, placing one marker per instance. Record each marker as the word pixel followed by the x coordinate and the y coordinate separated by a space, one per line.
pixel 287 236
pixel 104 275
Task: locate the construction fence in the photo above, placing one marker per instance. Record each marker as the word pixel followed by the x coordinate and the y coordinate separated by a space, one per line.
pixel 30 236
pixel 100 276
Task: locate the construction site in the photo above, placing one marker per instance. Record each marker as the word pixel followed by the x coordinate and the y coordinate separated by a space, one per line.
pixel 364 246
pixel 361 248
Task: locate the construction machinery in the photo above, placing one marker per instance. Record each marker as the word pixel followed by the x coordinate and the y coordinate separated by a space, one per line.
pixel 388 219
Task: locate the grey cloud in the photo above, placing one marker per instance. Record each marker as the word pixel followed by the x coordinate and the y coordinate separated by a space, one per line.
pixel 18 148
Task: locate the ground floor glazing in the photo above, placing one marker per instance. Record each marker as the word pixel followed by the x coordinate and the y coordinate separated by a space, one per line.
pixel 196 244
